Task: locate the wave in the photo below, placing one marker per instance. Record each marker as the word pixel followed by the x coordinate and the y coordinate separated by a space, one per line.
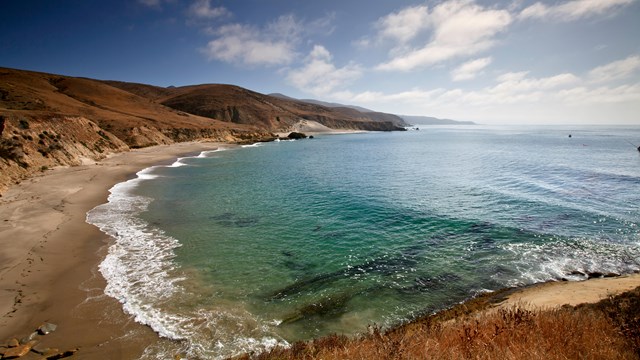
pixel 207 153
pixel 571 259
pixel 178 163
pixel 252 145
pixel 141 274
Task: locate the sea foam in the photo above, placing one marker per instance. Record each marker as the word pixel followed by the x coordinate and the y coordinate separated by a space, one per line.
pixel 142 276
pixel 571 259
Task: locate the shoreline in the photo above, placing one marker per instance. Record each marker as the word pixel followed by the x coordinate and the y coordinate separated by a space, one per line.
pixel 313 128
pixel 50 256
pixel 553 294
pixel 48 270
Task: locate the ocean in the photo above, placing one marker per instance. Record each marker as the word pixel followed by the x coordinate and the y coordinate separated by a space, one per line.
pixel 242 249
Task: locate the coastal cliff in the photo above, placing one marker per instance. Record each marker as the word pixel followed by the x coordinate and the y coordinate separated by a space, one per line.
pixel 233 104
pixel 49 120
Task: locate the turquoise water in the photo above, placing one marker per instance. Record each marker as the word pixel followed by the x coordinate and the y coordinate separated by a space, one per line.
pixel 242 249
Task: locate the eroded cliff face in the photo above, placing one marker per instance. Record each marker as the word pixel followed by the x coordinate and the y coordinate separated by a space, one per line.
pixel 52 120
pixel 30 145
pixel 49 120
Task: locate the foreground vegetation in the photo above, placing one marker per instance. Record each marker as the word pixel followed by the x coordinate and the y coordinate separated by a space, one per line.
pixel 609 329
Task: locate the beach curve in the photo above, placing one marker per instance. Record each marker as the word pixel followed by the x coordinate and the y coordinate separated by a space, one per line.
pixel 50 255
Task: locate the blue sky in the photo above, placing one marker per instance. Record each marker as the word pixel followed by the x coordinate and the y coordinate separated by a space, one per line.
pixel 507 62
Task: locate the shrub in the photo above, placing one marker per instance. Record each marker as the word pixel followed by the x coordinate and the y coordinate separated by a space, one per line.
pixel 23 124
pixel 607 330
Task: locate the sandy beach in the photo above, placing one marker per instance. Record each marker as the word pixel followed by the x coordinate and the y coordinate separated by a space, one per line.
pixel 313 128
pixel 49 259
pixel 551 295
pixel 49 256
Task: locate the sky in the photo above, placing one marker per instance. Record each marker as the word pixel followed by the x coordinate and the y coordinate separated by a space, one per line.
pixel 493 62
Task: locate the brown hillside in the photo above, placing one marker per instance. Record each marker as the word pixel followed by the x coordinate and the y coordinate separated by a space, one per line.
pixel 122 113
pixel 237 105
pixel 241 106
pixel 48 120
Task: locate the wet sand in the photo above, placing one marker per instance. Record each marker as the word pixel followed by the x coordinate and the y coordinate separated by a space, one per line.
pixel 49 257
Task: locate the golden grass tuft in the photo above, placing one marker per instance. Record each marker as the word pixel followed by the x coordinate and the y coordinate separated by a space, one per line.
pixel 607 330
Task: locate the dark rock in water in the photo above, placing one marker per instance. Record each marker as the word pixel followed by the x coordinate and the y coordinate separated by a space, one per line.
pixel 297 135
pixel 384 266
pixel 480 227
pixel 301 285
pixel 328 306
pixel 310 136
pixel 594 275
pixel 424 284
pixel 246 221
pixel 577 273
pixel 47 328
pixel 296 265
pixel 233 220
pixel 225 219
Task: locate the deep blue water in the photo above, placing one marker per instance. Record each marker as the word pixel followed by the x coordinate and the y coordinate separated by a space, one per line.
pixel 244 248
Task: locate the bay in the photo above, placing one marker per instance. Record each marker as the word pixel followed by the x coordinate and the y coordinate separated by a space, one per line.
pixel 243 249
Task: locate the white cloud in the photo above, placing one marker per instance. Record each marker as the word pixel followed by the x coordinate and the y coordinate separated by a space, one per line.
pixel 319 76
pixel 512 76
pixel 202 9
pixel 459 28
pixel 285 27
pixel 510 88
pixel 470 69
pixel 323 25
pixel 518 82
pixel 272 45
pixel 572 10
pixel 511 91
pixel 584 95
pixel 519 96
pixel 615 70
pixel 405 24
pixel 238 43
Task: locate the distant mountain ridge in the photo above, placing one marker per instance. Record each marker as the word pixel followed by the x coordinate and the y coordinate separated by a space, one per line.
pixel 322 103
pixel 406 119
pixel 370 114
pixel 428 120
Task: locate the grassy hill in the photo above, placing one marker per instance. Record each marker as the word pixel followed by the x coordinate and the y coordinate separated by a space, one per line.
pixel 49 120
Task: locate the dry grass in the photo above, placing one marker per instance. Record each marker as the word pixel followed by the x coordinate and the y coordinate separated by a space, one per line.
pixel 607 330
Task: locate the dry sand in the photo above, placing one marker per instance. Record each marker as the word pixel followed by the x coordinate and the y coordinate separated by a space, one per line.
pixel 49 257
pixel 551 295
pixel 309 127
